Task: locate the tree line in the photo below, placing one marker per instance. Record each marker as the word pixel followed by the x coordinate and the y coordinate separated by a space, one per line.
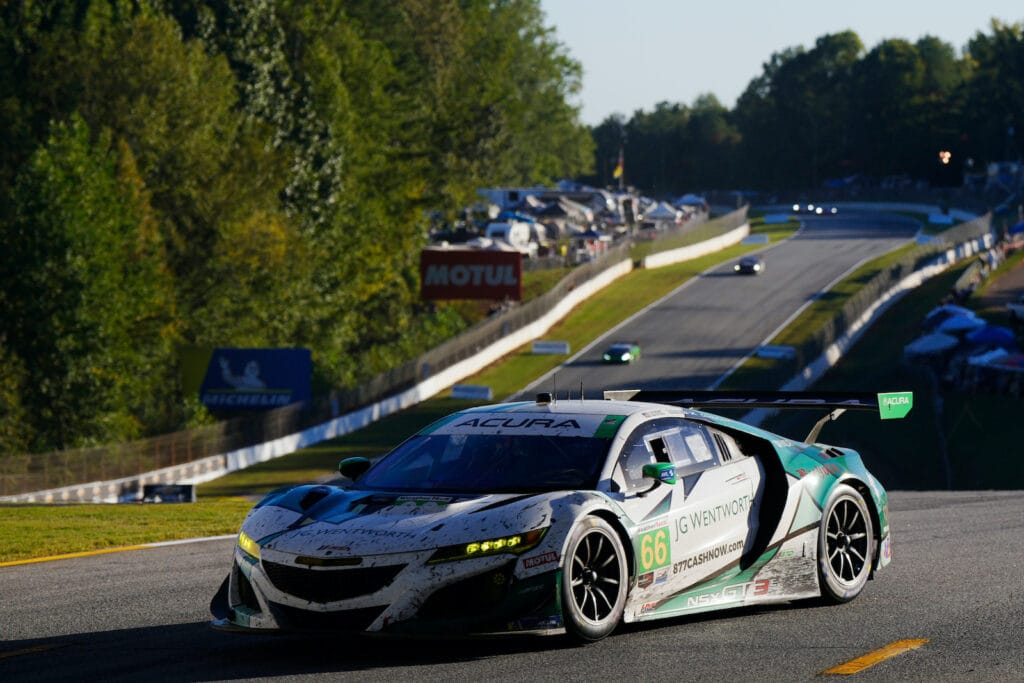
pixel 833 111
pixel 245 173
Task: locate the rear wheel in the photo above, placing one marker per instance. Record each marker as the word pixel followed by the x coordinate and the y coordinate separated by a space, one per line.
pixel 594 580
pixel 845 545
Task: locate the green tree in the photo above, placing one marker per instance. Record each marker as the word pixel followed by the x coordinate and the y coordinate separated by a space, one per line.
pixel 655 148
pixel 994 97
pixel 86 297
pixel 793 116
pixel 711 157
pixel 284 155
pixel 891 80
pixel 15 430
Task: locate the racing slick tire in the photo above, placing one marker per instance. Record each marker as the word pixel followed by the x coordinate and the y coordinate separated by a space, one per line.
pixel 595 577
pixel 846 545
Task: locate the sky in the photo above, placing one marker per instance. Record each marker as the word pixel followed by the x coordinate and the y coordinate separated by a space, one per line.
pixel 636 53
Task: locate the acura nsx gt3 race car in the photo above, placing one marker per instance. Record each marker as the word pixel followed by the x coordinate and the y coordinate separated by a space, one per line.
pixel 567 516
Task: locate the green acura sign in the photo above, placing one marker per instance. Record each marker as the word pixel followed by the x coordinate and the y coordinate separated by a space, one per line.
pixel 895 405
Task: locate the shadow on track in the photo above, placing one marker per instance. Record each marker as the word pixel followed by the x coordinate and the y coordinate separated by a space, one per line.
pixel 196 652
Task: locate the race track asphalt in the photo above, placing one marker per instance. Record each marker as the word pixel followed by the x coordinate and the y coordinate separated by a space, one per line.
pixel 693 337
pixel 956 581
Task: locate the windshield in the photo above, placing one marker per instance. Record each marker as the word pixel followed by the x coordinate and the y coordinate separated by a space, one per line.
pixel 489 463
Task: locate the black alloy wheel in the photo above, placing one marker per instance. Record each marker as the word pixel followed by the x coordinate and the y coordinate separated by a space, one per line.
pixel 595 577
pixel 846 545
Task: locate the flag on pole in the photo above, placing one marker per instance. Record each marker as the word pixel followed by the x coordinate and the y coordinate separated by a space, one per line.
pixel 617 173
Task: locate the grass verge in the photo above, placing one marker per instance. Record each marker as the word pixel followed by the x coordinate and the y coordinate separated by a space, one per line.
pixel 33 531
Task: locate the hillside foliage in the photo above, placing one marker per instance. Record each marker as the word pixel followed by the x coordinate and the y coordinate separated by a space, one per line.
pixel 245 173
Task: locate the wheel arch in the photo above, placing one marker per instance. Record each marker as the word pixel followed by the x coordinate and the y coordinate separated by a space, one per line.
pixel 876 523
pixel 627 543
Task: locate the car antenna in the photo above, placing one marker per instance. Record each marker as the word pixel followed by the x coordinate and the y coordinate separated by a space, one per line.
pixel 581 390
pixel 554 388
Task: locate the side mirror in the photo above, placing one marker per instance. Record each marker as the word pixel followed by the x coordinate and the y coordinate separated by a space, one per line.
pixel 660 472
pixel 353 467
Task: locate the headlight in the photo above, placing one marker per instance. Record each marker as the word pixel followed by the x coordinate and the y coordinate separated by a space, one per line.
pixel 736 267
pixel 515 544
pixel 248 546
pixel 757 266
pixel 626 356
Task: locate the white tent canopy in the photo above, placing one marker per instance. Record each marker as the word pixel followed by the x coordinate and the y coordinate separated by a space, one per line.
pixel 661 212
pixel 930 344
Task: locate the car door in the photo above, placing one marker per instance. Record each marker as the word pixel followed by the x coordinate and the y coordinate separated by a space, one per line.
pixel 718 517
pixel 687 531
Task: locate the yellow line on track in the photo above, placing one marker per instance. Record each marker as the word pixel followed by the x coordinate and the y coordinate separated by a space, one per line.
pixel 69 556
pixel 880 655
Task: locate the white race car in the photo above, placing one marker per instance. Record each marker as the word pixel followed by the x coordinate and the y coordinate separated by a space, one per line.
pixel 565 516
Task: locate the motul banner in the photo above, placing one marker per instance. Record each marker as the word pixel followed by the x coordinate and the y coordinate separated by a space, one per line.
pixel 471 274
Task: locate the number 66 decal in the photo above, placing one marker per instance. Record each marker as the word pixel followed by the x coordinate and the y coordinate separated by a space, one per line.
pixel 655 550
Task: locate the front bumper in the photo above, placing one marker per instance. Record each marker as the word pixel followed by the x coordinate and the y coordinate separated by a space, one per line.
pixel 393 594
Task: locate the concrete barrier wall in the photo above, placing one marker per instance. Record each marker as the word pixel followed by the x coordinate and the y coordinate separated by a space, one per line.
pixel 693 251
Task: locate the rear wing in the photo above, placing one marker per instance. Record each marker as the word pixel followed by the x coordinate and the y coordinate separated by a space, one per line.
pixel 889 406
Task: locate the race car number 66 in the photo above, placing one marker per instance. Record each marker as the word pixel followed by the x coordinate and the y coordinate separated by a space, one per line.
pixel 654 549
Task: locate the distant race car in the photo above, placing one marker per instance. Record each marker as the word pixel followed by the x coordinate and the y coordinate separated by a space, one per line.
pixel 622 352
pixel 816 209
pixel 749 265
pixel 566 516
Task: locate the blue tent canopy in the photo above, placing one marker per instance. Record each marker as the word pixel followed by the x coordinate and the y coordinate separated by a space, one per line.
pixel 961 323
pixel 941 314
pixel 993 335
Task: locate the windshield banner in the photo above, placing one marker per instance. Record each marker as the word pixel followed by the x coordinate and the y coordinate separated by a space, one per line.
pixel 509 424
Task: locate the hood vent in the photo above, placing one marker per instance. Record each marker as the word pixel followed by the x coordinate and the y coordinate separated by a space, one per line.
pixel 314 496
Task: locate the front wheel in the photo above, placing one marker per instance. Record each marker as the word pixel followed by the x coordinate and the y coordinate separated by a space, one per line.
pixel 845 545
pixel 594 580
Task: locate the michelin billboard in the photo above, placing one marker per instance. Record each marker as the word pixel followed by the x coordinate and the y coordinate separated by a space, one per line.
pixel 255 379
